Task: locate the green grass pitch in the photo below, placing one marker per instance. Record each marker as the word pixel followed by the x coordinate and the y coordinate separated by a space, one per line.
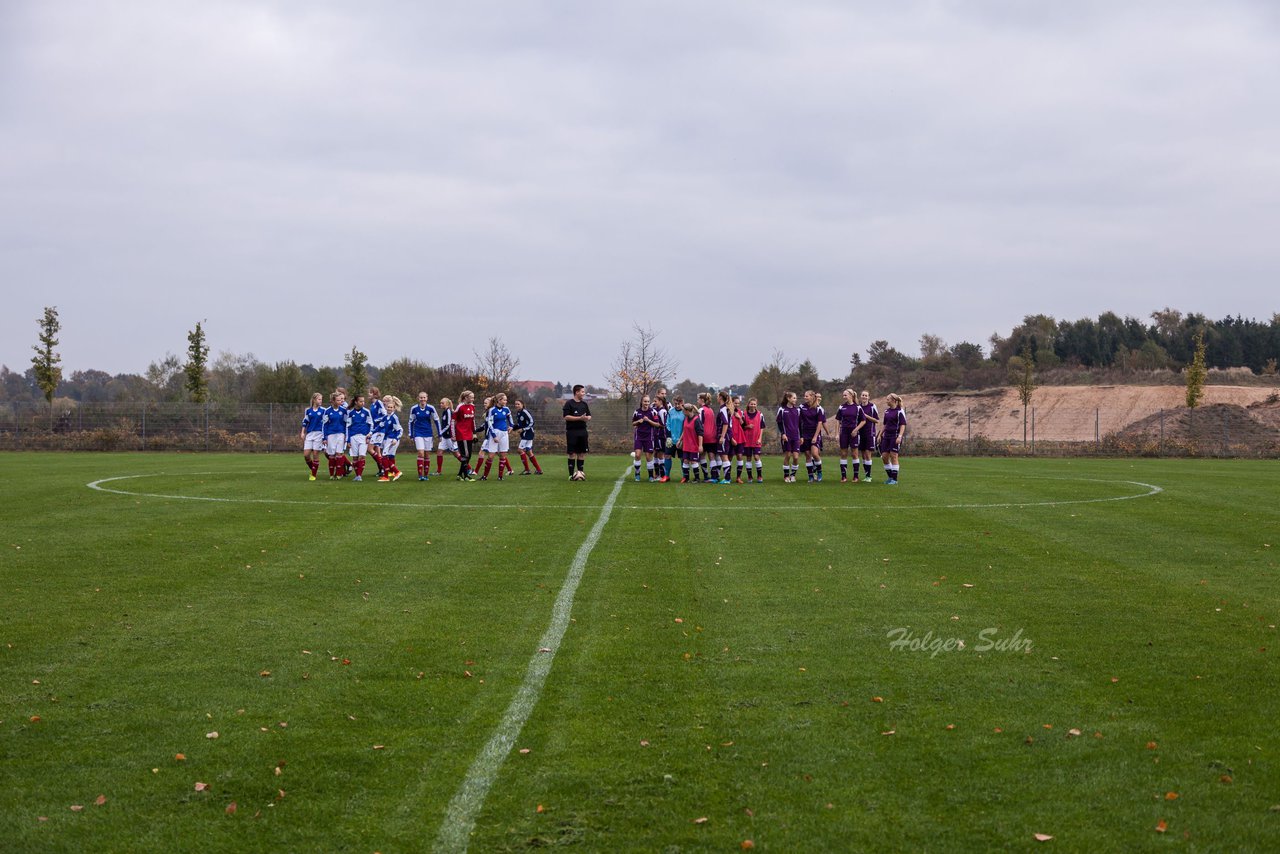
pixel 729 674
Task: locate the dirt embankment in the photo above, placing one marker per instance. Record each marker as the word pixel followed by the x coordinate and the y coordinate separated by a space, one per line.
pixel 1078 413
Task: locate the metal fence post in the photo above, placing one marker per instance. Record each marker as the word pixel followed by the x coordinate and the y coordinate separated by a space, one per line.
pixel 1097 432
pixel 206 425
pixel 144 426
pixel 271 433
pixel 969 417
pixel 1033 430
pixel 1226 438
pixel 1161 447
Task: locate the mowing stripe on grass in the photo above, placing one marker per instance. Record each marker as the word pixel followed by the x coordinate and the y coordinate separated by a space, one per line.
pixel 1151 489
pixel 460 819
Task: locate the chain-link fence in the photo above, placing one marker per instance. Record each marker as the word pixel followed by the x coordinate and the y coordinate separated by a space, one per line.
pixel 1213 431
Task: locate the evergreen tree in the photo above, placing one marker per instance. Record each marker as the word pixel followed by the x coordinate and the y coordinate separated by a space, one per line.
pixel 46 360
pixel 357 370
pixel 197 382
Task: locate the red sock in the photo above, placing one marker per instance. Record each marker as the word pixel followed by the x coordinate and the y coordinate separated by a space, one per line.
pixel 488 464
pixel 332 470
pixel 534 460
pixel 420 466
pixel 524 459
pixel 506 461
pixel 360 467
pixel 439 462
pixel 346 464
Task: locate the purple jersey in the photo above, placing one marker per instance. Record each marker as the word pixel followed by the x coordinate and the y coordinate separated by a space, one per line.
pixel 810 417
pixel 789 422
pixel 847 417
pixel 871 414
pixel 894 420
pixel 644 430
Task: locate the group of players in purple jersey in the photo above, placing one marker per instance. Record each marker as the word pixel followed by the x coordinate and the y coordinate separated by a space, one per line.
pixel 709 441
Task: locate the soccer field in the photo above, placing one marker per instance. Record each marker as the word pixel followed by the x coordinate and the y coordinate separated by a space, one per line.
pixel 238 659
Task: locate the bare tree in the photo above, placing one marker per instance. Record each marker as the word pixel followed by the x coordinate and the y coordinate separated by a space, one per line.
pixel 496 367
pixel 641 366
pixel 773 379
pixel 1022 373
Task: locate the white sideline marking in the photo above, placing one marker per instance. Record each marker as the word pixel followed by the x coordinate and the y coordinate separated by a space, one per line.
pixel 460 819
pixel 1151 490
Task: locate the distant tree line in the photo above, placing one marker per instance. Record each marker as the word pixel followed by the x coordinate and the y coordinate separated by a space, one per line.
pixel 1066 350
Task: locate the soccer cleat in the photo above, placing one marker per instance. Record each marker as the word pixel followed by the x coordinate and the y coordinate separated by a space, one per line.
pixel 844 480
pixel 525 473
pixel 397 475
pixel 421 478
pixel 818 477
pixel 663 479
pixel 890 483
pixel 484 477
pixel 311 477
pixel 855 478
pixel 357 479
pixel 739 480
pixel 637 478
pixel 684 480
pixel 384 479
pixel 536 472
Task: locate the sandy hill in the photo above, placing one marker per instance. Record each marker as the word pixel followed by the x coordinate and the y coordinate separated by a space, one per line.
pixel 1069 413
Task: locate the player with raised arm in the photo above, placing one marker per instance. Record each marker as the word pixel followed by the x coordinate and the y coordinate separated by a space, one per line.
pixel 893 430
pixel 577 414
pixel 313 434
pixel 391 433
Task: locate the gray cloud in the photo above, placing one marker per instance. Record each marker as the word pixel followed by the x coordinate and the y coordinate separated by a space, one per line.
pixel 743 176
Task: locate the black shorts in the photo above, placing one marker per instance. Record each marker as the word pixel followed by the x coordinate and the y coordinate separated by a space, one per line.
pixel 576 443
pixel 805 444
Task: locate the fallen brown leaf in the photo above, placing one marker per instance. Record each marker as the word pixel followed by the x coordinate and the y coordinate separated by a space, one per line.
pixel 200 787
pixel 77 807
pixel 702 819
pixel 231 808
pixel 1162 826
pixel 1042 837
pixel 1170 796
pixel 100 800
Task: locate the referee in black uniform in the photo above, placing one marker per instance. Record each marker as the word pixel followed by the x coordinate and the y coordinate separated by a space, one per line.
pixel 576 416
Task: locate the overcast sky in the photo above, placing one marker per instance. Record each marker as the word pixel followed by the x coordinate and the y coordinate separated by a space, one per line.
pixel 743 176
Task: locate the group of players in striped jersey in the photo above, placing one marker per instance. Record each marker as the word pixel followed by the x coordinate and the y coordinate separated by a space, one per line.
pixel 709 442
pixel 375 430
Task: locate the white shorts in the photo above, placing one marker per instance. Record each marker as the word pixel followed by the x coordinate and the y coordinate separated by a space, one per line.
pixel 448 445
pixel 359 445
pixel 389 447
pixel 334 443
pixel 375 439
pixel 526 444
pixel 314 441
pixel 423 443
pixel 498 444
